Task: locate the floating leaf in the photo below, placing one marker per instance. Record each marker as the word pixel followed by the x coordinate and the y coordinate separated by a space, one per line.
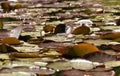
pixel 83 64
pixel 4 56
pixel 27 49
pixel 31 70
pixel 113 35
pixel 60 65
pixel 98 41
pixel 111 64
pixel 48 28
pixel 81 30
pixel 17 6
pixel 16 74
pixel 25 55
pixel 10 40
pixel 6 6
pixel 83 49
pixel 35 40
pixel 80 49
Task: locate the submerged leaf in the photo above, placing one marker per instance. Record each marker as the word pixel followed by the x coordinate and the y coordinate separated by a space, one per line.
pixel 111 64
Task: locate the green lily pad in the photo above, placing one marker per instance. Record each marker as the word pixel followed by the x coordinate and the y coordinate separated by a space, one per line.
pixel 83 64
pixel 111 64
pixel 60 65
pixel 16 74
pixel 56 38
pixel 4 56
pixel 98 41
pixel 109 27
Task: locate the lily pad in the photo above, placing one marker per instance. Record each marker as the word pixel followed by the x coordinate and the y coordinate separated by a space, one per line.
pixel 109 27
pixel 83 64
pixel 17 74
pixel 4 56
pixel 60 65
pixel 98 41
pixel 111 64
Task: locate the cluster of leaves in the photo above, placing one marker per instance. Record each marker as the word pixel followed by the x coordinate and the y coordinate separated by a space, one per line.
pixel 87 52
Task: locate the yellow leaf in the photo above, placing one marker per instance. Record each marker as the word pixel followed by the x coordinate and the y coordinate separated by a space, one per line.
pixel 83 49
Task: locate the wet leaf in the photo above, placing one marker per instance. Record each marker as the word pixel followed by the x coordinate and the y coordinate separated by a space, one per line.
pixel 6 6
pixel 113 35
pixel 98 41
pixel 10 40
pixel 111 64
pixel 16 74
pixel 26 49
pixel 60 65
pixel 81 30
pixel 80 49
pixel 4 56
pixel 48 28
pixel 83 64
pixel 83 49
pixel 25 55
